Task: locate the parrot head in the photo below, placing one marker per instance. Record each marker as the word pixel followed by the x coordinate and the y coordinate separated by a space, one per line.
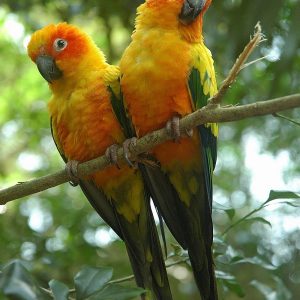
pixel 58 50
pixel 183 15
pixel 186 11
pixel 191 9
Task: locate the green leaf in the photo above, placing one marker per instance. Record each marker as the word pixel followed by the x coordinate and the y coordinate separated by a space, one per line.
pixel 224 276
pixel 117 292
pixel 230 213
pixel 274 195
pixel 264 289
pixel 91 280
pixel 291 204
pixel 252 260
pixel 220 246
pixel 17 283
pixel 178 251
pixel 282 290
pixel 258 219
pixel 59 290
pixel 229 281
pixel 234 287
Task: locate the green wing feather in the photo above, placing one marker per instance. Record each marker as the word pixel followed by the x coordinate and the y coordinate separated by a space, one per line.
pixel 120 112
pixel 208 139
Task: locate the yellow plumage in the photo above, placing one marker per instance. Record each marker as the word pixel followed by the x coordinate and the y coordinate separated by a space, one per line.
pixel 84 125
pixel 168 72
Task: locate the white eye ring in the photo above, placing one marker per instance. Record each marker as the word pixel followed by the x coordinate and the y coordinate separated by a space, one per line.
pixel 60 44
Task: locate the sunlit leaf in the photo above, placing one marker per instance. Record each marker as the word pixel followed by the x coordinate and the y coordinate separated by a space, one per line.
pixel 230 212
pixel 274 195
pixel 282 290
pixel 268 292
pixel 230 282
pixel 219 247
pixel 178 250
pixel 224 275
pixel 258 219
pixel 252 260
pixel 91 280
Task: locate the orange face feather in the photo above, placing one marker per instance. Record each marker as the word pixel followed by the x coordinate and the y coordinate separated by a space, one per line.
pixel 42 42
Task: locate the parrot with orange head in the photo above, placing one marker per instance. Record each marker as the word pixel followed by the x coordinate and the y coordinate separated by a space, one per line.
pixel 83 110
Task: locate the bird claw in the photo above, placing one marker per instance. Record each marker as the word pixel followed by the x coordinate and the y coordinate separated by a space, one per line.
pixel 72 171
pixel 129 143
pixel 173 128
pixel 111 155
pixel 189 132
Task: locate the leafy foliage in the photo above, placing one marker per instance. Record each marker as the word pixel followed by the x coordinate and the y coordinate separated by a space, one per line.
pixel 90 283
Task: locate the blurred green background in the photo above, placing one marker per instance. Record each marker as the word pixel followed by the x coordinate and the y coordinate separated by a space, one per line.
pixel 56 232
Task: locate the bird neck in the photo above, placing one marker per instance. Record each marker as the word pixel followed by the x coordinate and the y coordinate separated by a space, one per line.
pixel 192 32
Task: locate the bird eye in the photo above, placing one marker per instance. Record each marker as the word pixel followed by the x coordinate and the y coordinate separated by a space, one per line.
pixel 60 44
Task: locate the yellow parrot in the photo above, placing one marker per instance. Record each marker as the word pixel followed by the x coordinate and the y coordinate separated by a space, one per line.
pixel 166 73
pixel 83 109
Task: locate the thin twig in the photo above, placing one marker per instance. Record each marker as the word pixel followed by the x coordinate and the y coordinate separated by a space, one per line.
pixel 238 66
pixel 208 114
pixel 177 262
pixel 131 277
pixel 241 220
pixel 123 279
pixel 49 292
pixel 286 118
pixel 254 61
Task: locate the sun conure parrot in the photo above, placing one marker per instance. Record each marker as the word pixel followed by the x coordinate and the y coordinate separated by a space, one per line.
pixel 166 73
pixel 83 110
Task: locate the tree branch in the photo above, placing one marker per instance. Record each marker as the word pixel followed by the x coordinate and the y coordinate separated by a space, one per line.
pixel 212 113
pixel 208 114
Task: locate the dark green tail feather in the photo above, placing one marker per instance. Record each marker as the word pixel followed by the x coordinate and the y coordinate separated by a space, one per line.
pixel 191 227
pixel 148 274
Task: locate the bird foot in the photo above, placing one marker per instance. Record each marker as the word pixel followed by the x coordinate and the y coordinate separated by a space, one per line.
pixel 173 129
pixel 111 154
pixel 129 143
pixel 72 171
pixel 189 132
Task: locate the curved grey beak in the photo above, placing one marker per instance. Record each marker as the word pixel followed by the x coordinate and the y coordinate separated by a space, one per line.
pixel 190 11
pixel 48 68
